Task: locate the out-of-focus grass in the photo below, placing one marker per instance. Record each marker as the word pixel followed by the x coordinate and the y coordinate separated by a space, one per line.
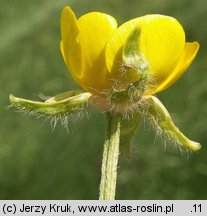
pixel 36 163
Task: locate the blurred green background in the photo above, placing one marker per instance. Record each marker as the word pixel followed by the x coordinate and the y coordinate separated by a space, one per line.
pixel 38 163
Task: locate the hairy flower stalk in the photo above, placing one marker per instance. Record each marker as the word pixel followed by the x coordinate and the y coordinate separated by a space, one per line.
pixel 120 69
pixel 110 157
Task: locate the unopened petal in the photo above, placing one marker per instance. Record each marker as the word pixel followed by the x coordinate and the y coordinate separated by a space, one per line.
pixel 186 59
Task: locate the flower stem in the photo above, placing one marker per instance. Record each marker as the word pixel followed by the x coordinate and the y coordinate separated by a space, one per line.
pixel 110 157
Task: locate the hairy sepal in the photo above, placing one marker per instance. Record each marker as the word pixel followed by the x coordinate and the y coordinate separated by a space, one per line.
pixel 135 63
pixel 163 122
pixel 63 104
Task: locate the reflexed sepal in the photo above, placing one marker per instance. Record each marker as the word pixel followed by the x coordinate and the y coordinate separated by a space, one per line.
pixel 163 121
pixel 63 104
pixel 129 128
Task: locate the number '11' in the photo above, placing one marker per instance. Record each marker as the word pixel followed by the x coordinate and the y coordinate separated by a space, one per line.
pixel 197 208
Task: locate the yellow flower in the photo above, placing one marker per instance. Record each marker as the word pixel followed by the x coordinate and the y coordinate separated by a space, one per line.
pixel 92 50
pixel 119 70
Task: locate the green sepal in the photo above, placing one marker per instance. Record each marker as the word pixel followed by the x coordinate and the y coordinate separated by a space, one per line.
pixel 163 122
pixel 129 127
pixel 135 63
pixel 63 104
pixel 134 60
pixel 132 56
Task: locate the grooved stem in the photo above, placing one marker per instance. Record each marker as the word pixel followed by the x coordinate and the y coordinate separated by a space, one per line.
pixel 110 157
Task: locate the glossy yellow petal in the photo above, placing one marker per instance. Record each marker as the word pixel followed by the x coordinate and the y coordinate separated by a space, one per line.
pixel 71 48
pixel 62 51
pixel 162 41
pixel 95 30
pixel 186 59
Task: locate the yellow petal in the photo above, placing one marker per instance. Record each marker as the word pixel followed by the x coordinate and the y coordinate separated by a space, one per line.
pixel 189 53
pixel 162 41
pixel 62 51
pixel 95 30
pixel 71 48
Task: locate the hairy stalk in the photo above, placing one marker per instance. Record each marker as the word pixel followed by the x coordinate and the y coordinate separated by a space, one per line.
pixel 110 157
